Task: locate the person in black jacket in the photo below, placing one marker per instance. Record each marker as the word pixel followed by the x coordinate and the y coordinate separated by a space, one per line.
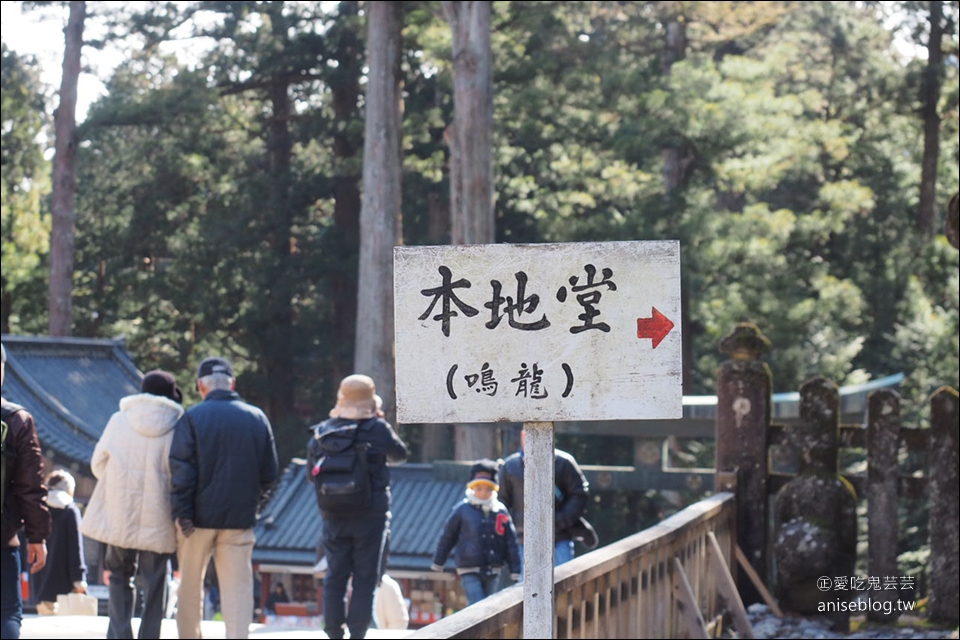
pixel 571 492
pixel 66 570
pixel 482 531
pixel 354 543
pixel 223 463
pixel 277 595
pixel 24 507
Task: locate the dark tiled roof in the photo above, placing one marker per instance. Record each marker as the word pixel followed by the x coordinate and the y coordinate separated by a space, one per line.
pixel 421 505
pixel 290 525
pixel 786 406
pixel 71 386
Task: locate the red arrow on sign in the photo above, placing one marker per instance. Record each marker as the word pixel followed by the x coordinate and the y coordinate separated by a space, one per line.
pixel 655 327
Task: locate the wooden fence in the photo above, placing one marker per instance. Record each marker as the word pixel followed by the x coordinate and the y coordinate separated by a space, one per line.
pixel 747 444
pixel 755 458
pixel 633 588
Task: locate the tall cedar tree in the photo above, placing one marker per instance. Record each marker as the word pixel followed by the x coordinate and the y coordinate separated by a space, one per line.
pixel 471 160
pixel 63 204
pixel 380 211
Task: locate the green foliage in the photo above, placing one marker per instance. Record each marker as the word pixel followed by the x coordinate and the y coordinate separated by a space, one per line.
pixel 208 207
pixel 206 204
pixel 930 325
pixel 25 221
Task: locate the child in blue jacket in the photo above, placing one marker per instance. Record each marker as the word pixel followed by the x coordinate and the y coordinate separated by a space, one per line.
pixel 482 531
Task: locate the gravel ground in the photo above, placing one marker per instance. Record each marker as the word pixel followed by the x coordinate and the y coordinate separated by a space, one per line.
pixel 766 625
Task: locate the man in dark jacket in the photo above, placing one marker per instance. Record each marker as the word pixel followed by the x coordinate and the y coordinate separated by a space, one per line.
pixel 223 463
pixel 24 506
pixel 571 492
pixel 354 543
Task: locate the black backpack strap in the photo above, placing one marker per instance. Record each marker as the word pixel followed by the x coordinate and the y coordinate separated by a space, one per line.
pixel 7 409
pixel 372 457
pixel 325 430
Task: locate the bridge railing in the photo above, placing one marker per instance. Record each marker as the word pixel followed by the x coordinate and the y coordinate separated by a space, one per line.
pixel 627 589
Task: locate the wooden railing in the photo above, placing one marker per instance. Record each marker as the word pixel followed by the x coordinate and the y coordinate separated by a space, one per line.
pixel 629 589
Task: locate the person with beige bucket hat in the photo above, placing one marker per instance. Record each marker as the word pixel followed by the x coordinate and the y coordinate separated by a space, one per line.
pixel 347 461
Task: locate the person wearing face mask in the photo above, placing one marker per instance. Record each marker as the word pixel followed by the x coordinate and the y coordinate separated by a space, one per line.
pixel 482 531
pixel 66 570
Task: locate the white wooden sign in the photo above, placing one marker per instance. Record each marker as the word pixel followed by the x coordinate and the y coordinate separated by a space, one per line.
pixel 548 332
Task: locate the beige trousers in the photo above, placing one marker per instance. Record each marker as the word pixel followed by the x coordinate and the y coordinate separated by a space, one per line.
pixel 46 608
pixel 232 550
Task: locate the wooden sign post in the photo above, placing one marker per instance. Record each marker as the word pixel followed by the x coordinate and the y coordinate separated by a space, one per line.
pixel 539 620
pixel 536 334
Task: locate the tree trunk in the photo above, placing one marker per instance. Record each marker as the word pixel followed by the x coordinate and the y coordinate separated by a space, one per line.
pixel 470 138
pixel 471 135
pixel 277 317
pixel 434 437
pixel 675 49
pixel 346 189
pixel 277 345
pixel 434 440
pixel 675 164
pixel 930 96
pixel 380 211
pixel 63 197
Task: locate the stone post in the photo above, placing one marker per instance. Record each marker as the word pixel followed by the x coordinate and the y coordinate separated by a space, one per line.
pixel 744 387
pixel 883 473
pixel 816 514
pixel 817 437
pixel 944 508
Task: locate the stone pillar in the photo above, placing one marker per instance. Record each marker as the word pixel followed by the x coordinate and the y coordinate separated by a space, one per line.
pixel 883 473
pixel 944 508
pixel 816 513
pixel 744 387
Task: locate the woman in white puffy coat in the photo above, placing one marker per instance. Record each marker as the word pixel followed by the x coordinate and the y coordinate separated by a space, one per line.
pixel 130 506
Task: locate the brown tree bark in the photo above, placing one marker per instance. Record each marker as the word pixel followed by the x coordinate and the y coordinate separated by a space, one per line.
pixel 435 436
pixel 380 212
pixel 470 138
pixel 278 364
pixel 675 49
pixel 471 135
pixel 930 96
pixel 676 162
pixel 346 189
pixel 63 197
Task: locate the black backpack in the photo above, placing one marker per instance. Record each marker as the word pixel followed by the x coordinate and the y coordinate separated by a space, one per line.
pixel 340 469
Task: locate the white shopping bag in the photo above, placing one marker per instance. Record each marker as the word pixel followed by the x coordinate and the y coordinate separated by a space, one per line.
pixel 76 604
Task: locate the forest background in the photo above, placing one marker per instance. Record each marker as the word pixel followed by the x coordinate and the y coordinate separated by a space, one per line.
pixel 799 151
